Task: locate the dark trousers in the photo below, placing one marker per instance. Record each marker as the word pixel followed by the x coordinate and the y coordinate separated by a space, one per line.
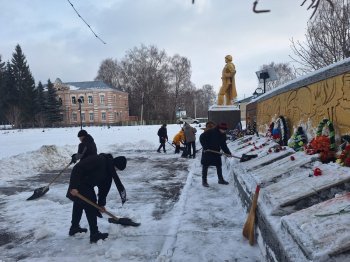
pixel 91 216
pixel 205 173
pixel 193 146
pixel 162 145
pixel 77 212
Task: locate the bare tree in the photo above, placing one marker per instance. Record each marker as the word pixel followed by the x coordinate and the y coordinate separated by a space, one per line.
pixel 180 73
pixel 108 72
pixel 144 75
pixel 327 37
pixel 204 98
pixel 284 73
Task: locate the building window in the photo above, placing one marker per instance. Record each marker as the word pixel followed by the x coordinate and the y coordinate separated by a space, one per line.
pixel 102 99
pixel 103 116
pixel 74 101
pixel 82 99
pixel 74 117
pixel 115 99
pixel 60 100
pixel 91 117
pixel 83 117
pixel 90 100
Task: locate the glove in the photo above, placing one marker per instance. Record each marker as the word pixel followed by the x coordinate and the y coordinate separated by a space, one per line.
pixel 74 158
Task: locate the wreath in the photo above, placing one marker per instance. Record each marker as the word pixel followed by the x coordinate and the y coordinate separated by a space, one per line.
pixel 329 124
pixel 323 144
pixel 280 131
pixel 298 140
pixel 344 157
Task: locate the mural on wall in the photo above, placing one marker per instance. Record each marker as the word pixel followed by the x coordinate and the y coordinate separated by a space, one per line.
pixel 310 104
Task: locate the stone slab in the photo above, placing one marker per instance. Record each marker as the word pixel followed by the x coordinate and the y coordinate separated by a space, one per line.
pixel 268 173
pixel 302 184
pixel 321 237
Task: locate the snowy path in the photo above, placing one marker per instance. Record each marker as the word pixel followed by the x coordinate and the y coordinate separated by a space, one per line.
pixel 181 220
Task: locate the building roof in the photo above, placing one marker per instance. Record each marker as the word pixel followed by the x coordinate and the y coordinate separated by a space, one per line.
pixel 89 85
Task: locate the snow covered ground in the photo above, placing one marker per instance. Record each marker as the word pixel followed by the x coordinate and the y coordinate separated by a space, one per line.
pixel 180 219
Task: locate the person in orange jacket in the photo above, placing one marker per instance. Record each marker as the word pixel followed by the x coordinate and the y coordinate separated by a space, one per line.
pixel 179 139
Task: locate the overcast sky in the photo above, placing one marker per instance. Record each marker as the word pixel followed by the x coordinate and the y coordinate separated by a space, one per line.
pixel 57 43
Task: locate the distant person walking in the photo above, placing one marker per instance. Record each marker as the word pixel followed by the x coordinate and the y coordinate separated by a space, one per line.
pixel 190 137
pixel 213 139
pixel 87 147
pixel 163 137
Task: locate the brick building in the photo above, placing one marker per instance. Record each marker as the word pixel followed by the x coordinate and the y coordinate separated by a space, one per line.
pixel 100 104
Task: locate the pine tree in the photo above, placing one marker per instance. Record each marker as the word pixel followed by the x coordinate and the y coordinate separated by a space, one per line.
pixel 2 91
pixel 11 110
pixel 40 103
pixel 25 86
pixel 53 106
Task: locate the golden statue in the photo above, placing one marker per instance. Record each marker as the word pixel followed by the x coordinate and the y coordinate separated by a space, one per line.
pixel 228 88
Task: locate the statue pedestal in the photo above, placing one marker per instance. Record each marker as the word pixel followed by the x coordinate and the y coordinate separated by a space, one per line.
pixel 231 115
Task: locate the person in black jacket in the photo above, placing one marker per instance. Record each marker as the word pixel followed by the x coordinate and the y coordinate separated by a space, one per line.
pixel 87 147
pixel 94 171
pixel 213 139
pixel 163 137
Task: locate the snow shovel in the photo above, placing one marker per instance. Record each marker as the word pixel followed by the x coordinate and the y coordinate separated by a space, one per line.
pixel 125 221
pixel 243 158
pixel 171 144
pixel 248 229
pixel 39 192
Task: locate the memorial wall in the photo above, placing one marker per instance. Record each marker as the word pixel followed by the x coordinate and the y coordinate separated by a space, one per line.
pixel 307 100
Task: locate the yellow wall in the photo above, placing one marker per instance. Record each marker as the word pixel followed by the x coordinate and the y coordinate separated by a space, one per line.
pixel 308 105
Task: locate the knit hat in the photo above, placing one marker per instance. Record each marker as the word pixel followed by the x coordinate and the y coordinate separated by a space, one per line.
pixel 222 126
pixel 82 133
pixel 120 162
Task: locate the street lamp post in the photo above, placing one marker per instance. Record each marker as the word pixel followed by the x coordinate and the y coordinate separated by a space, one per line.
pixel 195 108
pixel 256 93
pixel 264 76
pixel 81 121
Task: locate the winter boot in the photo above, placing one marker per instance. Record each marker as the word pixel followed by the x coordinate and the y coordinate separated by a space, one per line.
pixel 205 183
pixel 204 176
pixel 97 236
pixel 223 182
pixel 78 229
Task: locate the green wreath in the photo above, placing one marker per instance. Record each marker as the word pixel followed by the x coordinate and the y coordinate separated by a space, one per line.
pixel 298 140
pixel 329 124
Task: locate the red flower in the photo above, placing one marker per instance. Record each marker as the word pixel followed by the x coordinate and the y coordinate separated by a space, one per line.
pixel 317 172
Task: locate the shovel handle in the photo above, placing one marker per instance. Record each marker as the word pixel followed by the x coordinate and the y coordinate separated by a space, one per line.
pixel 221 153
pixel 95 205
pixel 60 173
